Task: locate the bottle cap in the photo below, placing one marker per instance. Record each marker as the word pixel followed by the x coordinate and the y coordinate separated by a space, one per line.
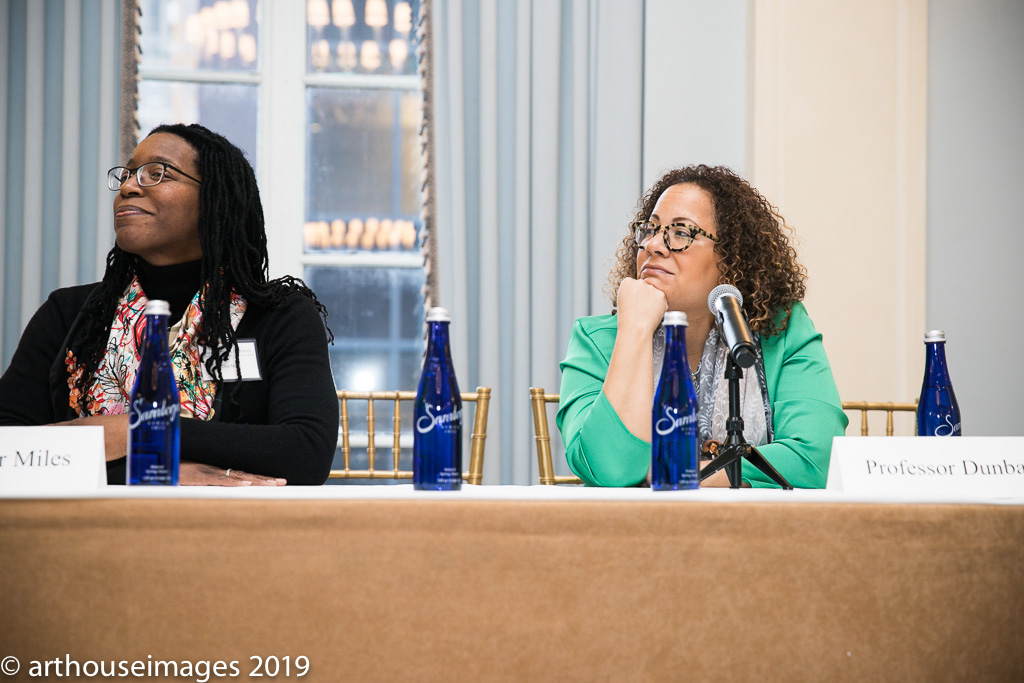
pixel 157 307
pixel 438 314
pixel 674 318
pixel 934 336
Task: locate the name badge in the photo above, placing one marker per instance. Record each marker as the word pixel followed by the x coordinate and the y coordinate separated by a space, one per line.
pixel 248 360
pixel 982 466
pixel 49 459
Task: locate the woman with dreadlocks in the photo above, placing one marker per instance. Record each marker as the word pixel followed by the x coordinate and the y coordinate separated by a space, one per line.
pixel 189 229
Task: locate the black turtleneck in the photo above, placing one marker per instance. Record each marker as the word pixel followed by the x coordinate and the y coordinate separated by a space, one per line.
pixel 176 284
pixel 283 423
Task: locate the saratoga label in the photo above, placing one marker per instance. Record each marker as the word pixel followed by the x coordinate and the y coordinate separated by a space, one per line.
pixel 427 422
pixel 161 412
pixel 673 420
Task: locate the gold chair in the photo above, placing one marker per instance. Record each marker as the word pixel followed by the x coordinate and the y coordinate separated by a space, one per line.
pixel 867 406
pixel 481 398
pixel 539 401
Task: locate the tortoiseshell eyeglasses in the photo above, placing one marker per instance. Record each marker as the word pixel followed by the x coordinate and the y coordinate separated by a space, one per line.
pixel 678 236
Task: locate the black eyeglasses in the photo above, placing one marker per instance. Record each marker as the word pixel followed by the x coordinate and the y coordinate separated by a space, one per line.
pixel 147 175
pixel 678 236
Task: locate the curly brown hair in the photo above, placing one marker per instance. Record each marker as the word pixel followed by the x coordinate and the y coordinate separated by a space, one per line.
pixel 753 245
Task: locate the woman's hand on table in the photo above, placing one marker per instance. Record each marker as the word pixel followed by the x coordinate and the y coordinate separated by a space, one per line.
pixel 115 443
pixel 717 480
pixel 198 474
pixel 115 432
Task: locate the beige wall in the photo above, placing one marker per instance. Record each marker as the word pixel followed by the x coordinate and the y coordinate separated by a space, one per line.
pixel 837 140
pixel 695 76
pixel 975 172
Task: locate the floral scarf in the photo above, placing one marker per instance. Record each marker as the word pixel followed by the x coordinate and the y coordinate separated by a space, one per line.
pixel 111 389
pixel 713 391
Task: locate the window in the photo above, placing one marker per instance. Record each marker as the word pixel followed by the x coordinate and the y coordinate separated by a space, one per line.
pixel 360 242
pixel 346 95
pixel 200 63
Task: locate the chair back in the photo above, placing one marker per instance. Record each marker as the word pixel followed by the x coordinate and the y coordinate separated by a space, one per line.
pixel 889 408
pixel 480 398
pixel 539 400
pixel 545 467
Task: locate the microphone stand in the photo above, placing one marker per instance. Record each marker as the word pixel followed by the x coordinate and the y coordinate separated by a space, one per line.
pixel 735 448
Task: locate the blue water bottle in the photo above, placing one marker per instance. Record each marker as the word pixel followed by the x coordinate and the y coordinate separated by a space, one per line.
pixel 674 455
pixel 437 437
pixel 937 411
pixel 153 413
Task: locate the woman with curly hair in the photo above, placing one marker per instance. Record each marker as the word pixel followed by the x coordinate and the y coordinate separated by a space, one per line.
pixel 189 229
pixel 696 228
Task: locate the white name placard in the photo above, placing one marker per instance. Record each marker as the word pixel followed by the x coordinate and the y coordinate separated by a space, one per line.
pixel 984 466
pixel 51 459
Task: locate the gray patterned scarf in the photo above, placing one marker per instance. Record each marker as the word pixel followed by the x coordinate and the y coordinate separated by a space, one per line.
pixel 713 391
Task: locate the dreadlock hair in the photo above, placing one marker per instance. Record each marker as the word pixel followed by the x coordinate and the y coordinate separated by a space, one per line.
pixel 233 238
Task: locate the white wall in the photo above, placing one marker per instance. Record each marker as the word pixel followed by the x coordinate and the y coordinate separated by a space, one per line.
pixel 838 143
pixel 695 85
pixel 890 135
pixel 976 204
pixel 822 106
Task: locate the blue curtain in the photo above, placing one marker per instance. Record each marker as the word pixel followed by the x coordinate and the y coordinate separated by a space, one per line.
pixel 537 143
pixel 59 104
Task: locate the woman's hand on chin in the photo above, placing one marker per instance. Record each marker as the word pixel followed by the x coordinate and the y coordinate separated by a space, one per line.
pixel 641 305
pixel 198 474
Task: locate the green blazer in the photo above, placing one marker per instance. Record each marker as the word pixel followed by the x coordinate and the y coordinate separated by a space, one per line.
pixel 806 411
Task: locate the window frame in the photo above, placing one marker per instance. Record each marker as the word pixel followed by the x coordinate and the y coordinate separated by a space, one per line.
pixel 282 123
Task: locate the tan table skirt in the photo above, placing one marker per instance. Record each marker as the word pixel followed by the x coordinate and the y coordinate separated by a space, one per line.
pixel 479 590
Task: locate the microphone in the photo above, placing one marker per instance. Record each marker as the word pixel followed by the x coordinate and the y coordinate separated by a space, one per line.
pixel 725 302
